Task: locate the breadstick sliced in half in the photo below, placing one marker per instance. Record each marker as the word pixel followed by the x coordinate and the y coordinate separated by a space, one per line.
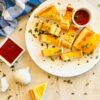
pixel 67 19
pixel 49 39
pixel 71 34
pixel 51 52
pixel 90 44
pixel 71 55
pixel 50 12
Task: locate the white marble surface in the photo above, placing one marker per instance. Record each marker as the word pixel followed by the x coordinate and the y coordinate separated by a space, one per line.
pixel 83 87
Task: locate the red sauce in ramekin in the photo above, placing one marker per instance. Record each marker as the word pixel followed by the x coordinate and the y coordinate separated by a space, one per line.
pixel 10 51
pixel 82 17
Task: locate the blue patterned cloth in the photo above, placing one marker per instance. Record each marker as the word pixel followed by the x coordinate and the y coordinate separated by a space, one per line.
pixel 10 10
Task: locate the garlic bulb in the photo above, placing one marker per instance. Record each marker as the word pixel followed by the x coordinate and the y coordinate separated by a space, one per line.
pixel 4 85
pixel 22 76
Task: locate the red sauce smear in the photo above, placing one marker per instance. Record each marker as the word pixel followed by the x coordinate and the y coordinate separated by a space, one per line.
pixel 10 51
pixel 82 17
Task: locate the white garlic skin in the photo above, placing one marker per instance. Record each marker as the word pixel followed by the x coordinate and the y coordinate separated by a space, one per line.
pixel 23 76
pixel 4 84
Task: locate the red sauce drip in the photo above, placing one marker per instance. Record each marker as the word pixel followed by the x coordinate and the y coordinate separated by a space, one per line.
pixel 10 51
pixel 82 17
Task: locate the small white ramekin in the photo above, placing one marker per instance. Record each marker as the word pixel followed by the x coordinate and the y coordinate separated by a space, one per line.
pixel 90 15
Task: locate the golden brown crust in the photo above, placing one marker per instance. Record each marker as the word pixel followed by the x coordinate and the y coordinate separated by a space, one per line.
pixel 47 13
pixel 83 35
pixel 67 19
pixel 51 52
pixel 31 92
pixel 71 55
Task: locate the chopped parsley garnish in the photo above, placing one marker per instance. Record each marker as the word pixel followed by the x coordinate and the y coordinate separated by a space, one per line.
pixel 36 24
pixel 18 19
pixel 42 44
pixel 53 46
pixel 72 93
pixel 9 89
pixel 59 3
pixel 47 20
pixel 16 62
pixel 57 78
pixel 78 64
pixel 86 46
pixel 28 15
pixel 87 61
pixel 30 31
pixel 13 66
pixel 85 93
pixel 57 91
pixel 9 97
pixel 36 29
pixel 52 58
pixel 86 84
pixel 52 83
pixel 16 94
pixel 98 5
pixel 13 70
pixel 96 57
pixel 49 76
pixel 20 29
pixel 72 35
pixel 47 45
pixel 68 81
pixel 0 13
pixel 69 60
pixel 36 16
pixel 4 75
pixel 77 17
pixel 93 73
pixel 34 36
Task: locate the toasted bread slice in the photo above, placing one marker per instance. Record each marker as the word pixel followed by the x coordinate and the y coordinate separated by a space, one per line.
pixel 39 25
pixel 83 35
pixel 50 13
pixel 53 29
pixel 90 44
pixel 71 34
pixel 71 55
pixel 51 52
pixel 45 27
pixel 49 39
pixel 67 19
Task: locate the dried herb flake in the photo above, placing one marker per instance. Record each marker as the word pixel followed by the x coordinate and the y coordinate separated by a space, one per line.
pixel 20 29
pixel 9 97
pixel 30 31
pixel 98 5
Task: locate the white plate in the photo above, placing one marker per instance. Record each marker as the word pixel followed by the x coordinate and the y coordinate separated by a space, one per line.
pixel 59 68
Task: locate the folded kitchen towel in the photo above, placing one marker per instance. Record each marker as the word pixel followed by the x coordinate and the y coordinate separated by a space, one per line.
pixel 10 10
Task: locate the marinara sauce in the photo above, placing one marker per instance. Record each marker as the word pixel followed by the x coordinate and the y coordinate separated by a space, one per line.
pixel 82 17
pixel 10 50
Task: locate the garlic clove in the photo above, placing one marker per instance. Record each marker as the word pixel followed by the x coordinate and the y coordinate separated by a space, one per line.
pixel 23 76
pixel 4 84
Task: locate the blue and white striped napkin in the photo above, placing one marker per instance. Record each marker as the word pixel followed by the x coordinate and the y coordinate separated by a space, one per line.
pixel 10 10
